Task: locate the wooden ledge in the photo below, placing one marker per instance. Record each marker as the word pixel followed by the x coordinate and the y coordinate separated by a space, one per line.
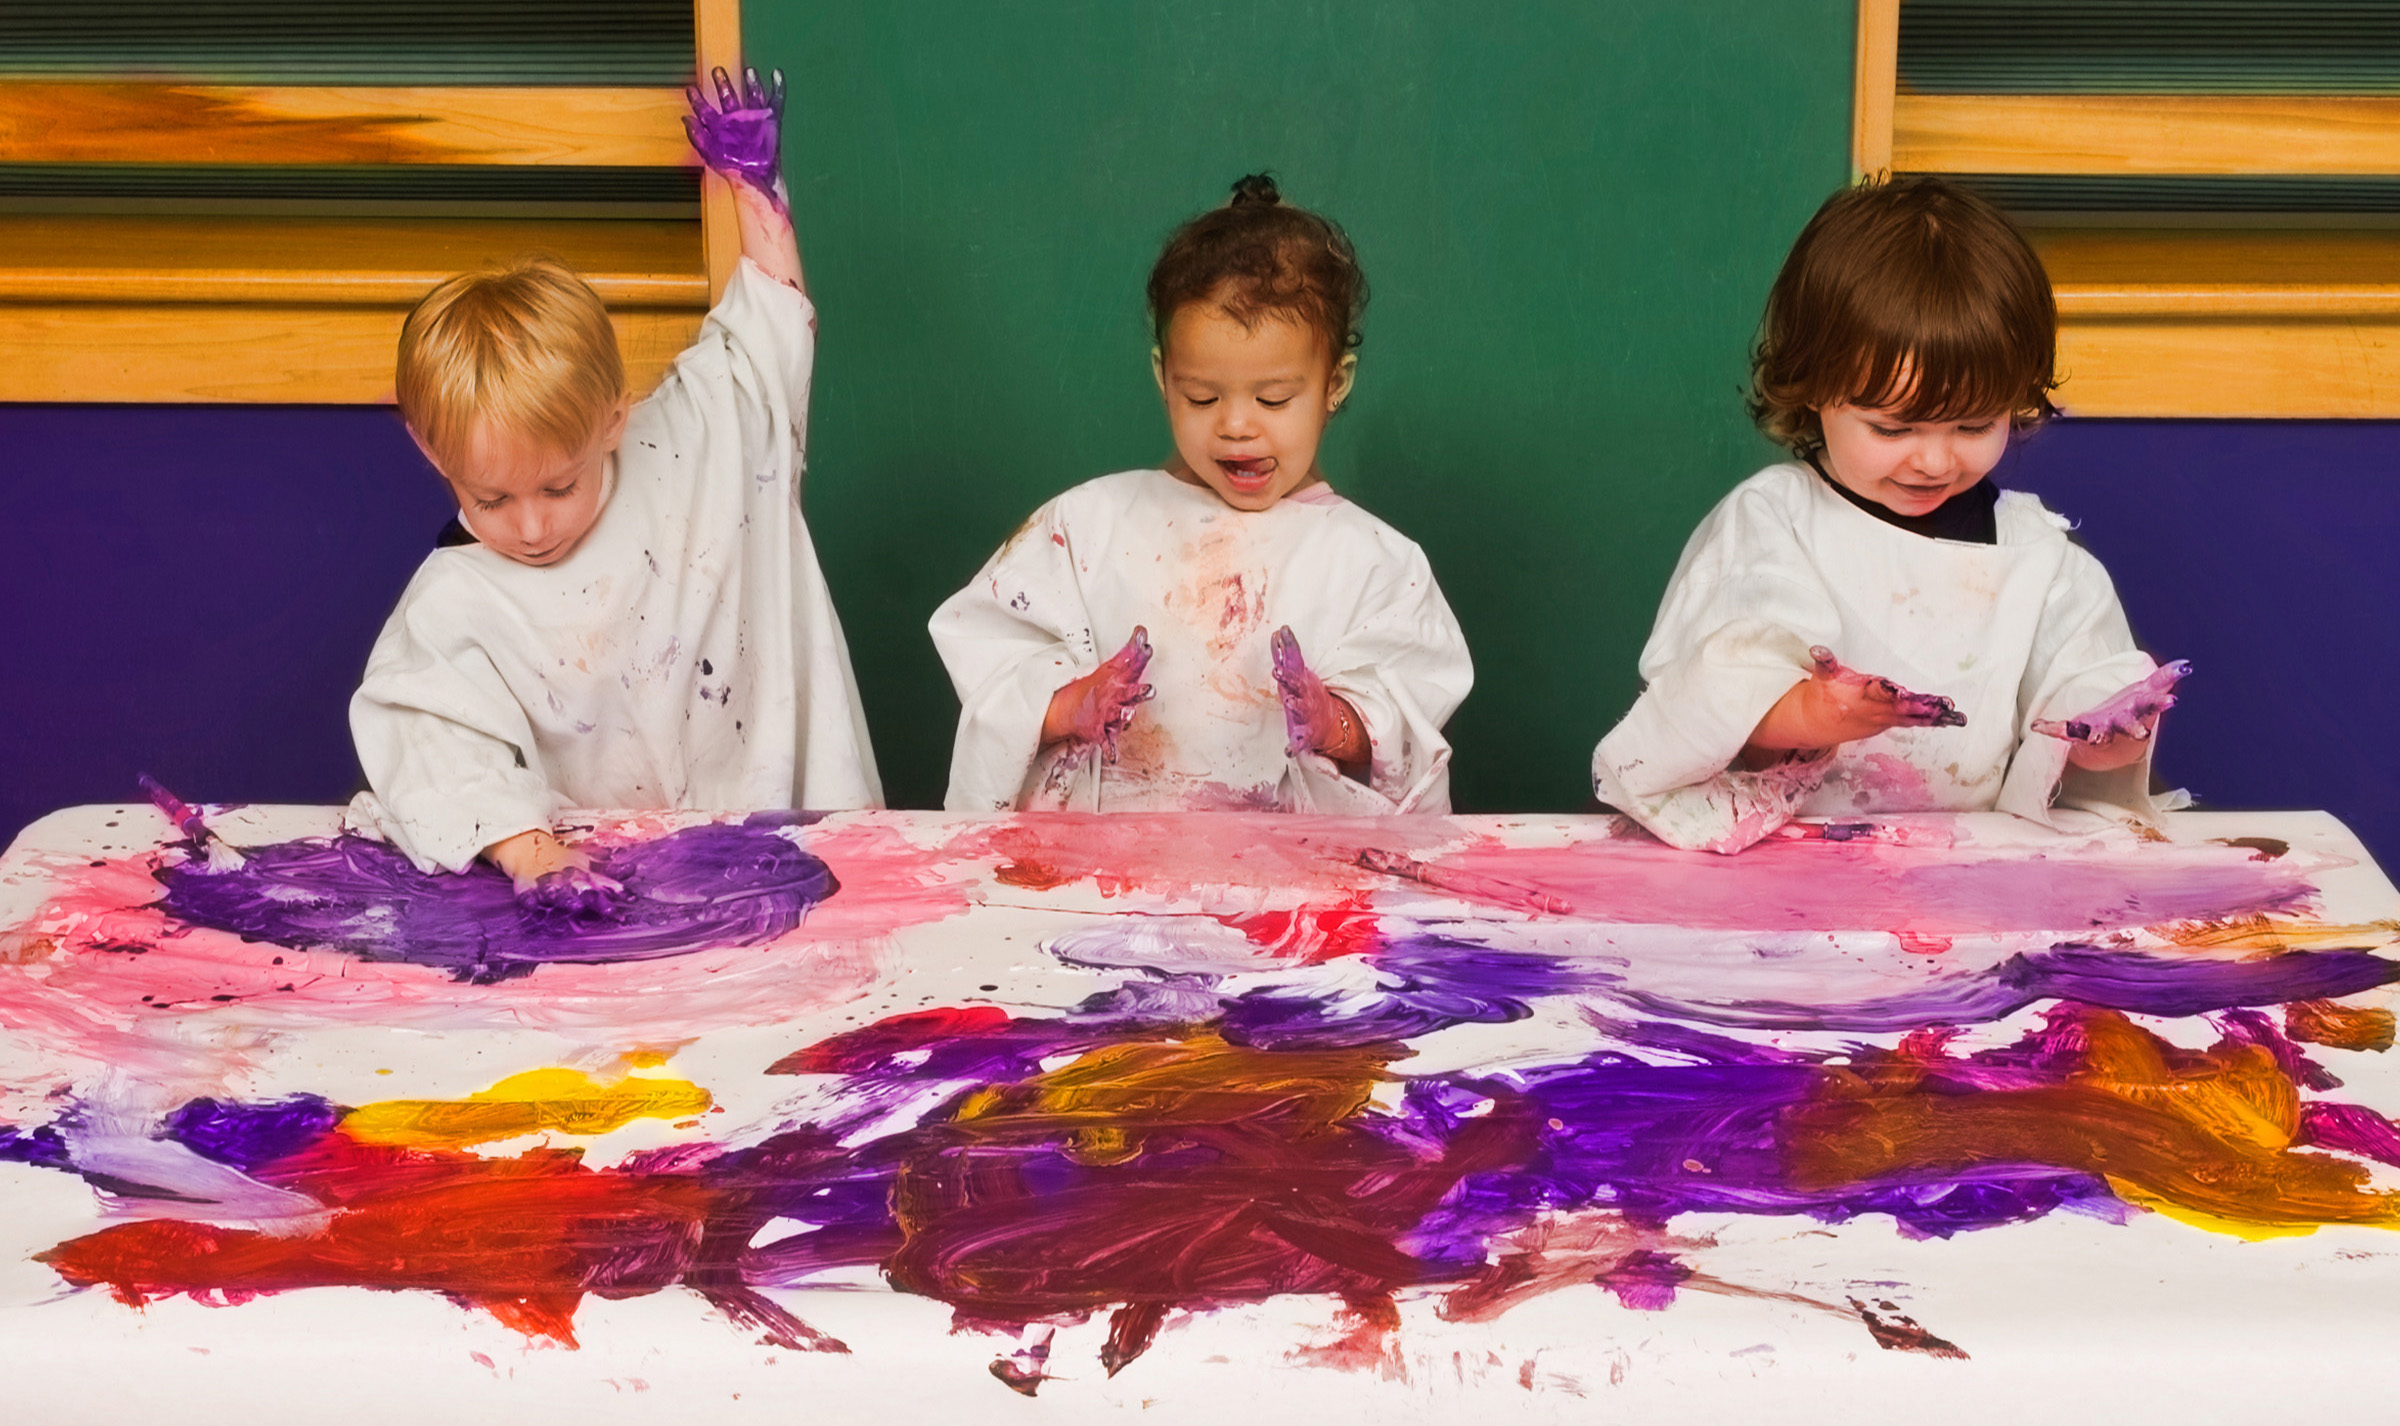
pixel 2260 272
pixel 55 122
pixel 2145 134
pixel 120 259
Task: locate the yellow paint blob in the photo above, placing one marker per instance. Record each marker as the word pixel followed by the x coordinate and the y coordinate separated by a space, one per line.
pixel 560 1100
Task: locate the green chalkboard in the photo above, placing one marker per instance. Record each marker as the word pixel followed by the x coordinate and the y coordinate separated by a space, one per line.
pixel 1570 211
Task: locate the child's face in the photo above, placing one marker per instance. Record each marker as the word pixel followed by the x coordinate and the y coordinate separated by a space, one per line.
pixel 1908 467
pixel 526 499
pixel 1248 405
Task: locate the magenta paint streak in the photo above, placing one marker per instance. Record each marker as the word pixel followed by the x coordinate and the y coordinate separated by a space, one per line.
pixel 1862 883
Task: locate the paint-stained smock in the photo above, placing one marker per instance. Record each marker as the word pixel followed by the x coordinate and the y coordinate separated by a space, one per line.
pixel 685 655
pixel 1211 584
pixel 2026 628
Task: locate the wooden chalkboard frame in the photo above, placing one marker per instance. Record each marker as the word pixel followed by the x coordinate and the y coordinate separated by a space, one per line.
pixel 2184 317
pixel 180 308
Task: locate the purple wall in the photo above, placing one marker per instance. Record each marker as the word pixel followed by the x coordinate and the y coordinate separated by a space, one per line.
pixel 191 591
pixel 2266 552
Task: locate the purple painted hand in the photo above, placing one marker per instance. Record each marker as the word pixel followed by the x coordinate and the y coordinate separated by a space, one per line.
pixel 741 135
pixel 1104 700
pixel 2132 712
pixel 1907 710
pixel 1310 723
pixel 574 888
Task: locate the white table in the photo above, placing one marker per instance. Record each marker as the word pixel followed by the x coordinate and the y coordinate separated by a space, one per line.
pixel 1223 951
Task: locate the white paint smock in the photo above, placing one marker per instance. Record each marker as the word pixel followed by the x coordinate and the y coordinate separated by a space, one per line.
pixel 685 655
pixel 2026 628
pixel 1211 584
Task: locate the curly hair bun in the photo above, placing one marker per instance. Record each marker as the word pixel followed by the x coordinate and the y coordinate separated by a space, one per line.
pixel 1255 188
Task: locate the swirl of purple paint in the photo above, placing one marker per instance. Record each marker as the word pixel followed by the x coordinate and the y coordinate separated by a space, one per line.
pixel 702 887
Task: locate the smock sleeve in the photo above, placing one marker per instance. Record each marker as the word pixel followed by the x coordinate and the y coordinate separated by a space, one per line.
pixel 1733 635
pixel 738 395
pixel 1402 664
pixel 2083 654
pixel 1017 633
pixel 447 751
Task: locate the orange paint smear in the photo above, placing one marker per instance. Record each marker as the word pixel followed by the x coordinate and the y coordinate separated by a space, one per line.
pixel 2344 1027
pixel 2205 1136
pixel 515 1237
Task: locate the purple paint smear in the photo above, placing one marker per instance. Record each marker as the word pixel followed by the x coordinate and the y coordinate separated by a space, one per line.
pixel 701 887
pixel 2117 980
pixel 248 1135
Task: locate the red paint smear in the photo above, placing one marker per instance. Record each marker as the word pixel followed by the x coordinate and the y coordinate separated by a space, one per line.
pixel 1923 943
pixel 1313 935
pixel 1032 875
pixel 853 1051
pixel 522 1238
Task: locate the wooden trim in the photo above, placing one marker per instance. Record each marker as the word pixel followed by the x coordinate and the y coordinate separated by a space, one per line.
pixel 47 122
pixel 121 259
pixel 1877 77
pixel 2222 273
pixel 717 43
pixel 2145 134
pixel 2345 369
pixel 252 352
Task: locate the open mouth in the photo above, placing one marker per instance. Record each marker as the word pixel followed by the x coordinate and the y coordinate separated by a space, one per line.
pixel 1248 476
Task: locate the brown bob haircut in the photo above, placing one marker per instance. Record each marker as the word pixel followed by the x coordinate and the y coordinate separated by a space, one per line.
pixel 525 348
pixel 1256 257
pixel 1910 294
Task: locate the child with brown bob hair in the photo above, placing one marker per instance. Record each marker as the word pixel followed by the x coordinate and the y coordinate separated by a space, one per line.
pixel 1225 631
pixel 1910 335
pixel 627 612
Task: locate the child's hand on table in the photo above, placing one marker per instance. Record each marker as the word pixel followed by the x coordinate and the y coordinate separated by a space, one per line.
pixel 1836 704
pixel 548 872
pixel 1097 708
pixel 1315 719
pixel 2117 731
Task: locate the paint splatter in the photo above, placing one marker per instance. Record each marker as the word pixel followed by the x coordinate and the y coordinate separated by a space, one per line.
pixel 1900 1333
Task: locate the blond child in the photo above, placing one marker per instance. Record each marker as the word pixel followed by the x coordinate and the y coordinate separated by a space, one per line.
pixel 638 619
pixel 1910 333
pixel 1226 631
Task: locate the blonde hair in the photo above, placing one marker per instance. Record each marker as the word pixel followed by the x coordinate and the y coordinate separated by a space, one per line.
pixel 526 348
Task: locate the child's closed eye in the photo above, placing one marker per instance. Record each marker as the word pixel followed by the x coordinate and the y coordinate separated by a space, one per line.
pixel 563 491
pixel 492 504
pixel 1275 403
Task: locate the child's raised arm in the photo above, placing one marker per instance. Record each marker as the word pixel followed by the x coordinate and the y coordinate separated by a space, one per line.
pixel 740 138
